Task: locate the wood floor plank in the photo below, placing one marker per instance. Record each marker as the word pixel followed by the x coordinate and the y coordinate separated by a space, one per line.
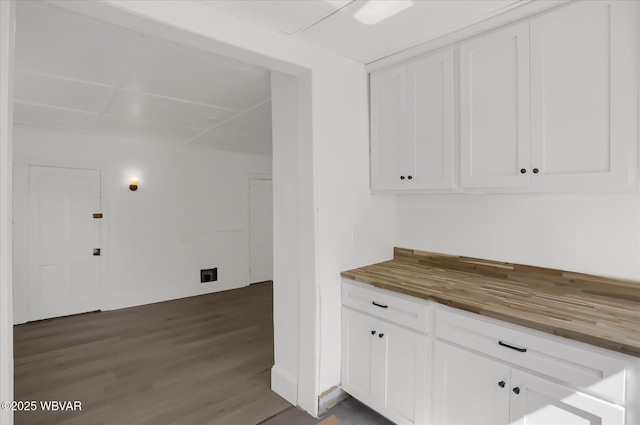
pixel 199 360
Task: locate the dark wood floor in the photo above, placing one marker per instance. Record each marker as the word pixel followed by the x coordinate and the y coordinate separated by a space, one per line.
pixel 200 360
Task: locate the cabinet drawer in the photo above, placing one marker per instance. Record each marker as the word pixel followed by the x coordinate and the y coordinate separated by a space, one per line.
pixel 591 369
pixel 386 305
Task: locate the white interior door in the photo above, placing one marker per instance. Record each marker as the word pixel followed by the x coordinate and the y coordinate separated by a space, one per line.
pixel 64 273
pixel 261 230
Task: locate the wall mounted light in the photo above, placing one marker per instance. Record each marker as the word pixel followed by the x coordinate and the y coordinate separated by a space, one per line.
pixel 133 186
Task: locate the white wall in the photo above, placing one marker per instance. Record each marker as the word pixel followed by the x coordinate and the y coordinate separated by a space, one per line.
pixel 286 215
pixel 589 233
pixel 190 212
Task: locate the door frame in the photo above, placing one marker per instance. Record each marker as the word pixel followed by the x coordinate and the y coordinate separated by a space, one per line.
pixel 21 265
pixel 249 177
pixel 7 26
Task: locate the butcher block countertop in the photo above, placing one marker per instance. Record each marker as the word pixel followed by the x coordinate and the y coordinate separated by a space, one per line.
pixel 596 310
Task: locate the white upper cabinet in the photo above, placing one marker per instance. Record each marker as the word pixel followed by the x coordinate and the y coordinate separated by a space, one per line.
pixel 389 128
pixel 583 96
pixel 431 127
pixel 494 109
pixel 412 125
pixel 551 104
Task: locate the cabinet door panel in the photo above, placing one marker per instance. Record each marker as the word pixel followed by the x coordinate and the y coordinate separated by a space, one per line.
pixel 582 78
pixel 431 124
pixel 357 354
pixel 542 402
pixel 466 388
pixel 405 374
pixel 494 96
pixel 388 128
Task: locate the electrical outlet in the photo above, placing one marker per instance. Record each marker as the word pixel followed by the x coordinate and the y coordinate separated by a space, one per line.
pixel 208 275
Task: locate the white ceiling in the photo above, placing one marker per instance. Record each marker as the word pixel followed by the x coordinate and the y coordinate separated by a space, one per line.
pixel 331 23
pixel 76 73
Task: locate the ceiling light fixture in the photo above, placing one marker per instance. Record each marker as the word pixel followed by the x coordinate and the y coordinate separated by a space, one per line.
pixel 375 11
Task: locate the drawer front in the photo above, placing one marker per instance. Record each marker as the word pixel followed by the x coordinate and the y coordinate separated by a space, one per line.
pixel 571 362
pixel 386 305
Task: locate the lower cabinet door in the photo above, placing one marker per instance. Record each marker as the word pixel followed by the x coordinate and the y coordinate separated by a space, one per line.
pixel 537 401
pixel 469 388
pixel 358 335
pixel 404 386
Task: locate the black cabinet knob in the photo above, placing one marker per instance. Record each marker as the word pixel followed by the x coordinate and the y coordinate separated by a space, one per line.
pixel 501 384
pixel 401 177
pixel 380 335
pixel 523 170
pixel 535 171
pixel 516 390
pixel 409 177
pixel 373 332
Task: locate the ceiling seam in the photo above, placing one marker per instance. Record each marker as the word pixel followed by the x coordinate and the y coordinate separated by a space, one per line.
pixel 75 80
pixel 330 14
pixel 126 67
pixel 60 108
pixel 177 99
pixel 100 115
pixel 188 141
pixel 112 87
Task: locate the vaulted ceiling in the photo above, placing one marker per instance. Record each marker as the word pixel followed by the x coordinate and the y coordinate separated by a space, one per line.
pixel 74 72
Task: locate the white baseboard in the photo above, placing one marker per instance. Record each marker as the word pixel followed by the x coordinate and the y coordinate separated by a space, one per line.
pixel 285 385
pixel 168 294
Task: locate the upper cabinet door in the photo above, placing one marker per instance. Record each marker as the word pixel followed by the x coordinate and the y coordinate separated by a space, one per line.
pixel 431 125
pixel 388 128
pixel 584 79
pixel 494 108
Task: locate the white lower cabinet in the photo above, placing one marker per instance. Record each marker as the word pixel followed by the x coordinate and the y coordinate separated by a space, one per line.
pixel 384 364
pixel 404 373
pixel 418 362
pixel 538 401
pixel 468 388
pixel 472 389
pixel 358 333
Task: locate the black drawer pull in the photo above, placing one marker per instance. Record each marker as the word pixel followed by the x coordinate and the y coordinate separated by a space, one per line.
pixel 379 305
pixel 522 350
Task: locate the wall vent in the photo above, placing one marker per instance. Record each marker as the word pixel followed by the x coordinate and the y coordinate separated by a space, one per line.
pixel 208 275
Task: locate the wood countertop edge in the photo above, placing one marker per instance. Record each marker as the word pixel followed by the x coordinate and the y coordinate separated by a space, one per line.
pixel 565 332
